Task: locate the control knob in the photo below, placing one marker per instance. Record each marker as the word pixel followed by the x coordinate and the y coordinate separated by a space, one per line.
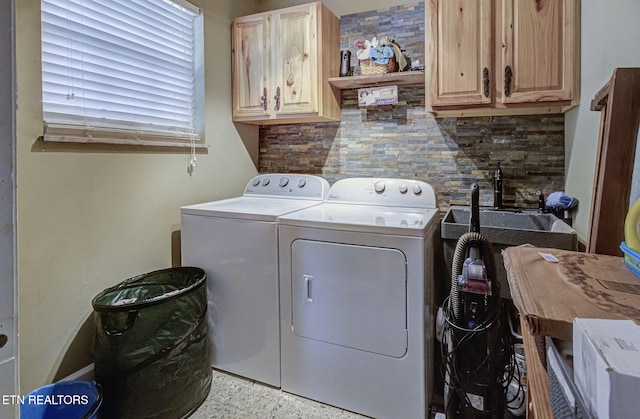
pixel 417 189
pixel 379 187
pixel 265 181
pixel 255 182
pixel 403 189
pixel 301 183
pixel 284 182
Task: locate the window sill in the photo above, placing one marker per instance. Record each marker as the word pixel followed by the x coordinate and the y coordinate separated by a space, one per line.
pixel 129 142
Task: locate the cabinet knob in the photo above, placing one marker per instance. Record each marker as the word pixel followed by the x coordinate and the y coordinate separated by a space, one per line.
pixel 507 80
pixel 263 98
pixel 277 99
pixel 485 81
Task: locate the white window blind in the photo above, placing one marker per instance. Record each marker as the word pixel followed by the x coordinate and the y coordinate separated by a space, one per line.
pixel 125 71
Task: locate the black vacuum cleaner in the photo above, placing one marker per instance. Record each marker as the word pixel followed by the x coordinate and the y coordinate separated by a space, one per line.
pixel 474 351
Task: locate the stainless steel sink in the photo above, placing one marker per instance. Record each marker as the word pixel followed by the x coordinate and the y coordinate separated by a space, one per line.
pixel 505 228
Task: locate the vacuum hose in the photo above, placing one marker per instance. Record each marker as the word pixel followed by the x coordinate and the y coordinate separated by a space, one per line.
pixel 459 256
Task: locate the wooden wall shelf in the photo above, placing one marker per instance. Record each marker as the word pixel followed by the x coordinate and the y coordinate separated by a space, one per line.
pixel 398 78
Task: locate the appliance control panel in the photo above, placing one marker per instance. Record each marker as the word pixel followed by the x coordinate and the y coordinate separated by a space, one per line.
pixel 288 185
pixel 384 192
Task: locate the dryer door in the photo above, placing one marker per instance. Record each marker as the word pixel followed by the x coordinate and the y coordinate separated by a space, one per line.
pixel 348 295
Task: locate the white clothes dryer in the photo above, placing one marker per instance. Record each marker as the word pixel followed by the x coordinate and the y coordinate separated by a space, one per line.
pixel 356 297
pixel 236 242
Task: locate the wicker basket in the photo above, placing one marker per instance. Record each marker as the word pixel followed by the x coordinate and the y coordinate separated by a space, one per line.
pixel 368 67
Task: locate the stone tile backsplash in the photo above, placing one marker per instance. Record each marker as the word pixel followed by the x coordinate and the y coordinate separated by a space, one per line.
pixel 404 141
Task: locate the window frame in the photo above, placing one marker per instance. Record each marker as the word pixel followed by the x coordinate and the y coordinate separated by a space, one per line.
pixel 62 133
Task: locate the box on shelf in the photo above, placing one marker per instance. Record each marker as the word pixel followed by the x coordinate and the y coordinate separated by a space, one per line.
pixel 549 296
pixel 607 366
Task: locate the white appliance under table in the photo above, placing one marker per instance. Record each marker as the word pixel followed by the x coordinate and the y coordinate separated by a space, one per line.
pixel 356 297
pixel 236 242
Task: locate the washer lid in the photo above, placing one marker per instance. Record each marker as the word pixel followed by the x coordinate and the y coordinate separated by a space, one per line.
pixel 248 208
pixel 364 218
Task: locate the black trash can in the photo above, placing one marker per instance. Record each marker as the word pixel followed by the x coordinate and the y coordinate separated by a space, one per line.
pixel 151 348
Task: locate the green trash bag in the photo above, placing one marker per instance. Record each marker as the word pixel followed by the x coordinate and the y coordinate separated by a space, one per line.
pixel 151 348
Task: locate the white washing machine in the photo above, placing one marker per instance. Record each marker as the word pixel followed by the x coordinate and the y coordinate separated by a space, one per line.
pixel 356 297
pixel 236 242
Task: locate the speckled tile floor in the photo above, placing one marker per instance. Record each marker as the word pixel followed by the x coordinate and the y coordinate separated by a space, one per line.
pixel 232 397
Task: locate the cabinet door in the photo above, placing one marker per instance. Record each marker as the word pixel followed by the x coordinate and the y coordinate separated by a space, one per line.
pixel 459 40
pixel 295 61
pixel 539 50
pixel 250 63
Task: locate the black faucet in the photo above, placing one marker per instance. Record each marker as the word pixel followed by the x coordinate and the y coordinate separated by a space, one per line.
pixel 542 206
pixel 497 187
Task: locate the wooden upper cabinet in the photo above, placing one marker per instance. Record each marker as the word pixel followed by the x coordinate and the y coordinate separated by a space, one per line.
pixel 491 57
pixel 250 54
pixel 459 40
pixel 296 58
pixel 281 64
pixel 539 50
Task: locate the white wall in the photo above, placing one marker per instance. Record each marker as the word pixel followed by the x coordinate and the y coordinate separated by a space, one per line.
pixel 610 38
pixel 8 330
pixel 90 217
